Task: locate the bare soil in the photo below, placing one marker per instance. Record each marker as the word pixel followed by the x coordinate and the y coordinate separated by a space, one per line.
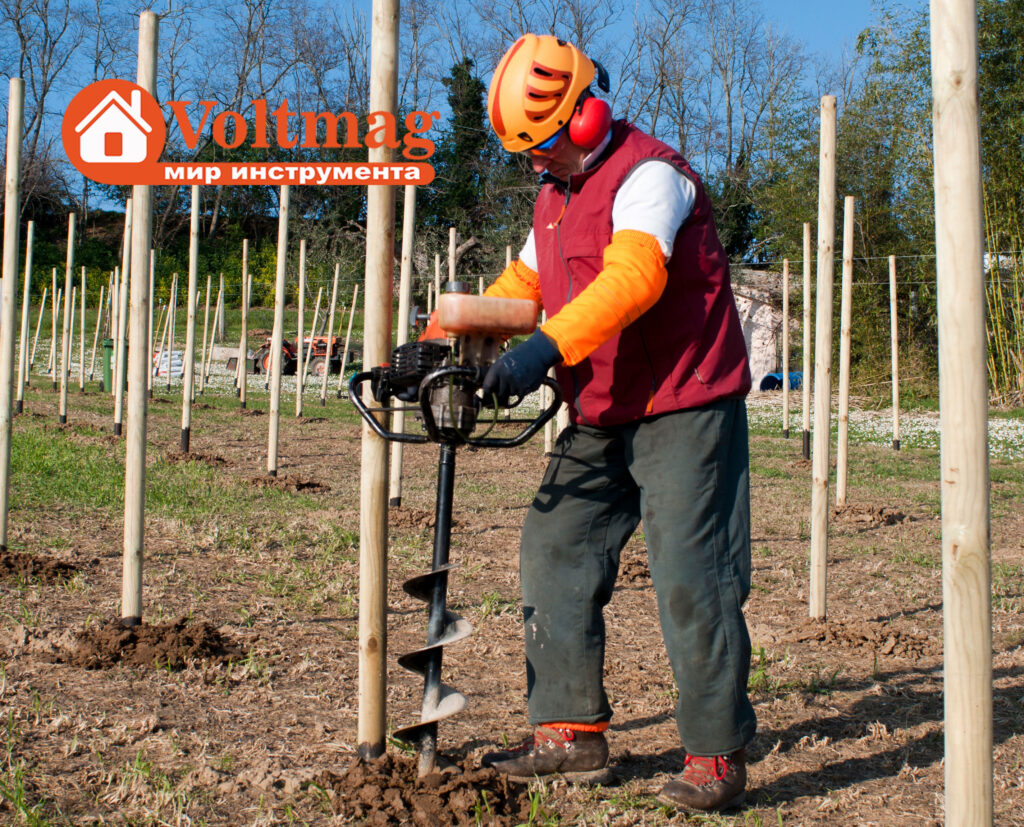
pixel 236 702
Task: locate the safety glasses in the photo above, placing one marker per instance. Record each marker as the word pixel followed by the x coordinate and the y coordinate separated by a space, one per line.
pixel 550 142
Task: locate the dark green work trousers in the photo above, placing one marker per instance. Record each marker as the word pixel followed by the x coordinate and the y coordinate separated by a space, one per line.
pixel 686 474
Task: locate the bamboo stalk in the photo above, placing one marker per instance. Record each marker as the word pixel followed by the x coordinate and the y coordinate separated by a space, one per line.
pixel 823 357
pixel 805 382
pixel 785 348
pixel 330 336
pixel 893 318
pixel 23 339
pixel 9 276
pixel 845 321
pixel 243 342
pixel 300 328
pixel 96 335
pixel 278 335
pixel 963 412
pixel 348 338
pixel 35 339
pixel 189 376
pixel 65 348
pixel 402 337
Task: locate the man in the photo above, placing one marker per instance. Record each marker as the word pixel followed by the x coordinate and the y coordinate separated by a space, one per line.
pixel 646 341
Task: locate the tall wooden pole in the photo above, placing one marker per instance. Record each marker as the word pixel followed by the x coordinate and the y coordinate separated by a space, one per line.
pixel 845 321
pixel 189 376
pixel 138 358
pixel 300 327
pixel 278 336
pixel 963 413
pixel 26 293
pixel 402 336
pixel 243 342
pixel 65 349
pixel 96 335
pixel 893 320
pixel 785 348
pixel 81 339
pixel 206 332
pixel 35 339
pixel 348 338
pixel 9 274
pixel 805 382
pixel 373 522
pixel 823 356
pixel 330 335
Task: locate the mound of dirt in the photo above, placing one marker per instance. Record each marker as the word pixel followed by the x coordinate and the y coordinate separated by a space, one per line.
pixel 865 517
pixel 17 566
pixel 251 412
pixel 387 792
pixel 634 570
pixel 176 457
pixel 412 518
pixel 294 484
pixel 166 646
pixel 310 420
pixel 881 637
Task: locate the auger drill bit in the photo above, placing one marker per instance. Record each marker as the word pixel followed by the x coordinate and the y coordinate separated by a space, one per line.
pixel 443 628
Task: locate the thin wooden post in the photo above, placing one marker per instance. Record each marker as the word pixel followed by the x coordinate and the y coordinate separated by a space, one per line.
pixel 65 348
pixel 71 331
pixel 963 413
pixel 172 322
pixel 805 381
pixel 121 342
pixel 189 375
pixel 451 262
pixel 330 336
pixel 508 255
pixel 437 278
pixel 9 274
pixel 206 332
pixel 893 319
pixel 220 307
pixel 785 348
pixel 373 511
pixel 243 341
pixel 402 334
pixel 348 338
pixel 35 339
pixel 209 355
pixel 312 334
pixel 823 356
pixel 54 315
pixel 278 336
pixel 845 321
pixel 163 336
pixel 300 327
pixel 430 299
pixel 96 335
pixel 23 340
pixel 139 359
pixel 81 340
pixel 150 331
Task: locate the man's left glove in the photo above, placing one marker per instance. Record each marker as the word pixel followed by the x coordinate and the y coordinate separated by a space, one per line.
pixel 521 370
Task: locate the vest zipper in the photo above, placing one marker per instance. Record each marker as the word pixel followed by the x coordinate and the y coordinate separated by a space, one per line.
pixel 568 297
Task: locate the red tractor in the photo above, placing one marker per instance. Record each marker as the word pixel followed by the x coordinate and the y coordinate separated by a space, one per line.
pixel 316 354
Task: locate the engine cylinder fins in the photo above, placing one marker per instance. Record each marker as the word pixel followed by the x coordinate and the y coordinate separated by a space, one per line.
pixel 422 585
pixel 455 630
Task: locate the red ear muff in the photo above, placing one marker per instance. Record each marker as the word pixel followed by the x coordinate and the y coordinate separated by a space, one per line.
pixel 590 123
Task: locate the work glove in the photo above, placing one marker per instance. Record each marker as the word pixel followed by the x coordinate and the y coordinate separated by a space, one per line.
pixel 521 370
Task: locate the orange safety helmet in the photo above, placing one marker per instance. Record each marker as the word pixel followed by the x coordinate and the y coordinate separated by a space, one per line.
pixel 535 89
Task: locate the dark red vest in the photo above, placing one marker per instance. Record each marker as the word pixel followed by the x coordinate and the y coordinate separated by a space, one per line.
pixel 688 349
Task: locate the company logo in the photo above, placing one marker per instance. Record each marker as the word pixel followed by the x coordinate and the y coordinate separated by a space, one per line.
pixel 114 133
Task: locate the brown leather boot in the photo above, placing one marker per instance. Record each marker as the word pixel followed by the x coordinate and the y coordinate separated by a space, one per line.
pixel 708 783
pixel 580 757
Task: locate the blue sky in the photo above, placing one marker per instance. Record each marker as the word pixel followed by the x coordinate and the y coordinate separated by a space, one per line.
pixel 823 26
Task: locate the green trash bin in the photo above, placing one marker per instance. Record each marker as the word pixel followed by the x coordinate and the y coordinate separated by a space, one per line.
pixel 108 355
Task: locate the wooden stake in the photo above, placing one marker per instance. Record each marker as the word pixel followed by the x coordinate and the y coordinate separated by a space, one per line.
pixel 206 332
pixel 35 339
pixel 54 315
pixel 963 413
pixel 402 336
pixel 9 274
pixel 81 338
pixel 437 279
pixel 23 340
pixel 163 337
pixel 805 382
pixel 96 335
pixel 300 327
pixel 216 318
pixel 189 376
pixel 172 321
pixel 278 336
pixel 373 522
pixel 71 330
pixel 138 358
pixel 508 255
pixel 243 341
pixel 65 347
pixel 845 320
pixel 451 261
pixel 893 319
pixel 823 356
pixel 330 335
pixel 220 307
pixel 785 348
pixel 121 340
pixel 348 338
pixel 149 338
pixel 312 333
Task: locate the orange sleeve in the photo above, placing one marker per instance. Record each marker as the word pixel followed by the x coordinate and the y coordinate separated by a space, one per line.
pixel 517 281
pixel 632 280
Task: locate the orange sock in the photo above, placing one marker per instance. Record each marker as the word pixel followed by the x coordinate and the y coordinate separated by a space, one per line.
pixel 600 726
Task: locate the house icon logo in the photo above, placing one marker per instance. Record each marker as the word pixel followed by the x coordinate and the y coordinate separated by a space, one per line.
pixel 113 127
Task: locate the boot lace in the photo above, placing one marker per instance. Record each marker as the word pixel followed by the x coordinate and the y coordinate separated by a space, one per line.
pixel 703 771
pixel 539 738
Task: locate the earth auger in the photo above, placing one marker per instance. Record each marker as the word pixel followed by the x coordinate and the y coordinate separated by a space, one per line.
pixel 444 377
